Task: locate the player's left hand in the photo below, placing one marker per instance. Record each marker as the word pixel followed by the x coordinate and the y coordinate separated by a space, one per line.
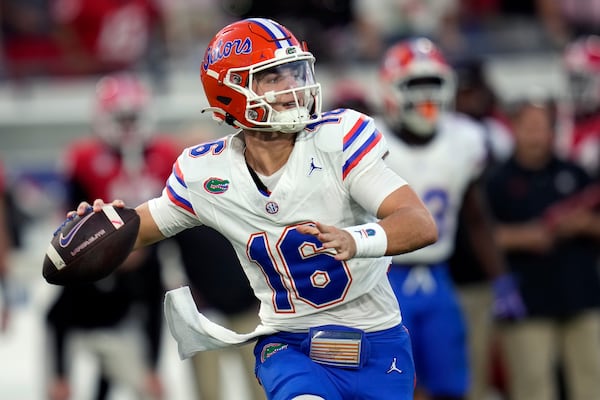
pixel 508 303
pixel 332 238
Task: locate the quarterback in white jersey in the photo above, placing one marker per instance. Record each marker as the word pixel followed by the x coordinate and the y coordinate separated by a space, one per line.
pixel 313 213
pixel 441 156
pixel 324 179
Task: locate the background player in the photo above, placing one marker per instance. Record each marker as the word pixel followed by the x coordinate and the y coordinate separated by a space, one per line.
pixel 278 190
pixel 442 155
pixel 118 319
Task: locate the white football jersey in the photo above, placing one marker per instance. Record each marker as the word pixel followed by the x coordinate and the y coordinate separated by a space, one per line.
pixel 439 172
pixel 298 284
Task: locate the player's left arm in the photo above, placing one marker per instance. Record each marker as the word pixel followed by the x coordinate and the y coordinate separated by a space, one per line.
pixel 405 223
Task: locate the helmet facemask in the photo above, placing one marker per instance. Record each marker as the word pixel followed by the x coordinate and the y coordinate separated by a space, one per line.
pixel 420 100
pixel 286 80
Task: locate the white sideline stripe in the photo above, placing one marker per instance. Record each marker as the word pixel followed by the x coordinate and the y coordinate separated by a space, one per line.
pixel 113 216
pixel 56 259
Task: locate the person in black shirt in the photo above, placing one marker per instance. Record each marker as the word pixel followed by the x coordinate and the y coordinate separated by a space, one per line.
pixel 552 250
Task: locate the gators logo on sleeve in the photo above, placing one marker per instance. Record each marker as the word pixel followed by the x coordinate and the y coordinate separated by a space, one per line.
pixel 216 185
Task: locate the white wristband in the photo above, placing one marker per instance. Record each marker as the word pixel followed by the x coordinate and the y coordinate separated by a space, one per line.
pixel 370 239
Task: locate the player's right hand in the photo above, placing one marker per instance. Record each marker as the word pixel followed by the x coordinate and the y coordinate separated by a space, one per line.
pixel 84 207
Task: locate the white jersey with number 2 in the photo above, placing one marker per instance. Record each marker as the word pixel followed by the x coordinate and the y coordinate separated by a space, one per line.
pixel 440 173
pixel 298 284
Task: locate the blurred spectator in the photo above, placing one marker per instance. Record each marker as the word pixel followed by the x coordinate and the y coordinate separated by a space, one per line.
pixel 381 23
pixel 119 318
pixel 551 242
pixel 322 24
pixel 189 25
pixel 491 27
pixel 579 113
pixel 82 37
pixel 104 36
pixel 568 19
pixel 28 48
pixel 476 99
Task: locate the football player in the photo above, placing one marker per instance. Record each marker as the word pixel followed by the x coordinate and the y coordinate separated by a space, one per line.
pixel 442 156
pixel 125 157
pixel 313 213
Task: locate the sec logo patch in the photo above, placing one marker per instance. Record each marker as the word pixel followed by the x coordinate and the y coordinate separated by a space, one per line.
pixel 271 207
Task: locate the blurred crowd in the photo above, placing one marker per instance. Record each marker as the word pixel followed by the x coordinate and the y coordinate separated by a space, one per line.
pixel 74 37
pixel 541 175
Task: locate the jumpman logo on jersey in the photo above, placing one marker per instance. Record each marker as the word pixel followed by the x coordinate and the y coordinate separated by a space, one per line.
pixel 393 367
pixel 313 167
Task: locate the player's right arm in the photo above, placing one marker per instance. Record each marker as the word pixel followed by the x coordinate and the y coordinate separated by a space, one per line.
pixel 148 232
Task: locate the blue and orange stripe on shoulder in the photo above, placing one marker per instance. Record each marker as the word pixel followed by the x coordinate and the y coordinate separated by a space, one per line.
pixel 360 153
pixel 178 200
pixel 178 174
pixel 355 131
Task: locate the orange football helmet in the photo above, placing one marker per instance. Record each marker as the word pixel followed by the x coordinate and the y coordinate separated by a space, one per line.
pixel 245 54
pixel 417 83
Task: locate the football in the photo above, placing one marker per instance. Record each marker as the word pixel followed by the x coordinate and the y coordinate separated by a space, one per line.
pixel 89 247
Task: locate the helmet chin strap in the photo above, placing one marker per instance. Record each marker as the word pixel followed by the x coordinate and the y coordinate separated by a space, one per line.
pixel 292 120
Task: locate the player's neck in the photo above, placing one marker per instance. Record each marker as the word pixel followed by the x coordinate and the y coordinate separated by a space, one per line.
pixel 266 152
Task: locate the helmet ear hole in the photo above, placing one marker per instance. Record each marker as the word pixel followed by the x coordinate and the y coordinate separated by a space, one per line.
pixel 224 99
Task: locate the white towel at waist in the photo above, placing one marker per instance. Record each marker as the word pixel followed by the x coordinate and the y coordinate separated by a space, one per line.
pixel 194 332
